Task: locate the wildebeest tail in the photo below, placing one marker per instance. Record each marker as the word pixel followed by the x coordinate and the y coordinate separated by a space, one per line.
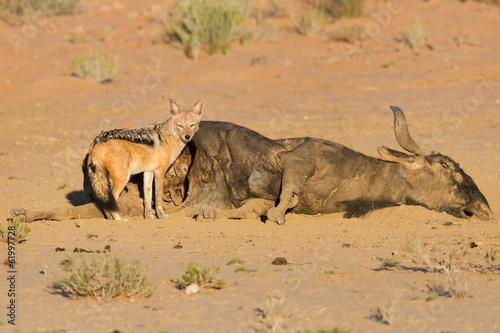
pixel 100 185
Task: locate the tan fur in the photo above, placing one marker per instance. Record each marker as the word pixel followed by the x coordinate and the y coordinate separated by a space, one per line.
pixel 116 159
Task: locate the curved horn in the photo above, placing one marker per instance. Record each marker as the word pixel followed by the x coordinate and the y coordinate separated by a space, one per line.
pixel 403 136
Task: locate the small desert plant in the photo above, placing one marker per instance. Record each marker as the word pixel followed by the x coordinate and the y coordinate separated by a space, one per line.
pixel 345 8
pixel 415 34
pixel 385 313
pixel 492 2
pixel 95 65
pixel 39 7
pixel 263 29
pixel 491 255
pixel 276 8
pixel 272 314
pixel 247 270
pixel 103 278
pixel 235 261
pixel 350 34
pixel 454 283
pixel 213 24
pixel 16 232
pixel 335 330
pixel 311 21
pixel 202 276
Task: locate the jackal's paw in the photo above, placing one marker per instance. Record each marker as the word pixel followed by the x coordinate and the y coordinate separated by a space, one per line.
pixel 149 215
pixel 275 215
pixel 20 214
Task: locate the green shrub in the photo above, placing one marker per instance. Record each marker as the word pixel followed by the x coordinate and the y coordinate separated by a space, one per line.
pixel 200 275
pixel 95 65
pixel 103 278
pixel 235 261
pixel 214 24
pixel 246 270
pixel 18 232
pixel 345 8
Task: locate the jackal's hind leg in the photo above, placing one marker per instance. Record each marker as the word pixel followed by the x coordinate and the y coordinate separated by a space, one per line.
pixel 159 175
pixel 148 194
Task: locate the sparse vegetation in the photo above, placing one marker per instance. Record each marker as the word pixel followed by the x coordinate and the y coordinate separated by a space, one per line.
pixel 15 233
pixel 62 187
pixel 391 262
pixel 235 261
pixel 329 272
pixel 38 8
pixel 263 29
pixel 430 299
pixel 345 8
pixel 95 65
pixel 351 34
pixel 247 270
pixel 311 21
pixel 492 2
pixel 385 313
pixel 273 314
pixel 454 283
pixel 491 255
pixel 415 34
pixel 390 64
pixel 335 330
pixel 103 278
pixel 276 8
pixel 202 276
pixel 214 25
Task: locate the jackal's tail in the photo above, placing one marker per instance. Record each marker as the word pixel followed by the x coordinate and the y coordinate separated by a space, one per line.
pixel 98 176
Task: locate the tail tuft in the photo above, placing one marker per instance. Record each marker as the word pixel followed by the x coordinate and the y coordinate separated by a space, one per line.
pixel 100 185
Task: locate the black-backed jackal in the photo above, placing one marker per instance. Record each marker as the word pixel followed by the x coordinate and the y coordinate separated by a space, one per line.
pixel 117 154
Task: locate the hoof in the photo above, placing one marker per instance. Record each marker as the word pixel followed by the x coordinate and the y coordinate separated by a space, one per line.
pixel 20 214
pixel 275 215
pixel 162 215
pixel 208 212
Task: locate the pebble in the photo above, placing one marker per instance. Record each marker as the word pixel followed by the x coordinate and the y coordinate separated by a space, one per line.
pixel 192 289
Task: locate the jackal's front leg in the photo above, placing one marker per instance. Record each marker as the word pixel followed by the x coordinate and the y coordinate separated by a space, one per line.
pixel 159 177
pixel 148 194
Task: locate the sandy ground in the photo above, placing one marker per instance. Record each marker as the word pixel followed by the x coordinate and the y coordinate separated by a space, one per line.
pixel 297 86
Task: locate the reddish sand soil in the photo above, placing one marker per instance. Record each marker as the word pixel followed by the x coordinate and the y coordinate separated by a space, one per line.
pixel 297 86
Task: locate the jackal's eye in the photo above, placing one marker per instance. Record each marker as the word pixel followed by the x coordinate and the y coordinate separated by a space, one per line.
pixel 179 125
pixel 444 165
pixel 192 125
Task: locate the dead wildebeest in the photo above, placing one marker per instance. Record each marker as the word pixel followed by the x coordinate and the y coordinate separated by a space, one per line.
pixel 238 173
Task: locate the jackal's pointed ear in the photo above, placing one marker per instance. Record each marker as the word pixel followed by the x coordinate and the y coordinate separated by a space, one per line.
pixel 395 156
pixel 174 108
pixel 198 107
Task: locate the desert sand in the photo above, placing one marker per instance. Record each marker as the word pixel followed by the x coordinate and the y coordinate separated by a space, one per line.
pixel 295 86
